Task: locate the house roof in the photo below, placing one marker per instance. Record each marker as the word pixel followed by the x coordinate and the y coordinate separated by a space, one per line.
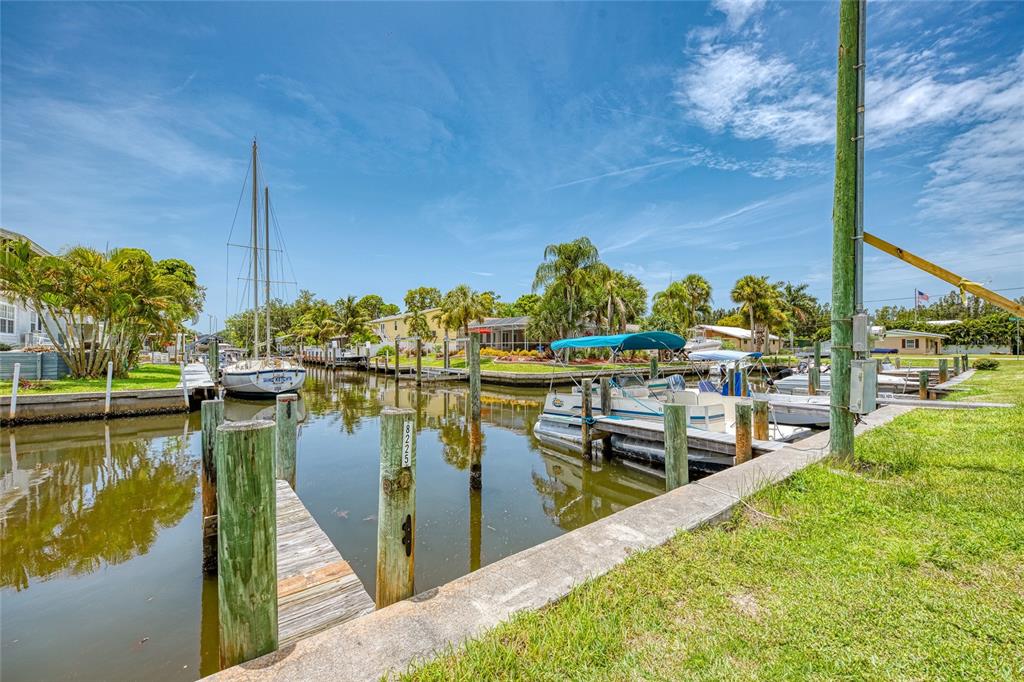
pixel 399 316
pixel 519 322
pixel 905 333
pixel 941 323
pixel 9 235
pixel 735 332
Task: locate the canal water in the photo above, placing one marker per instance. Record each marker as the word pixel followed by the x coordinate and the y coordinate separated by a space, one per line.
pixel 100 529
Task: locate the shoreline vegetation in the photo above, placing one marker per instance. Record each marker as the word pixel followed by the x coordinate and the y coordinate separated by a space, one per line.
pixel 906 562
pixel 146 376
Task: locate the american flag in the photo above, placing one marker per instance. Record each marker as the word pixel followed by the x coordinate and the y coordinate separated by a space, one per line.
pixel 919 296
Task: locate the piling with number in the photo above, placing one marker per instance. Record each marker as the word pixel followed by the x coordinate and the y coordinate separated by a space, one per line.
pixel 943 371
pixel 760 420
pixel 586 417
pixel 922 384
pixel 677 459
pixel 396 511
pixel 743 432
pixel 212 415
pixel 246 540
pixel 287 417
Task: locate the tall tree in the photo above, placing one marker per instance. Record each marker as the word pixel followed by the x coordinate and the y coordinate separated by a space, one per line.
pixel 622 298
pixel 462 306
pixel 319 324
pixel 352 318
pixel 374 307
pixel 566 271
pixel 800 306
pixel 417 301
pixel 760 301
pixel 684 302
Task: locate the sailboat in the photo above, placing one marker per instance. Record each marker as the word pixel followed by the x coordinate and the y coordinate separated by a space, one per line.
pixel 267 376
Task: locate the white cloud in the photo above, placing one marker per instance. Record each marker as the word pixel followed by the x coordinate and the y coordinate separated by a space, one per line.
pixel 753 96
pixel 738 11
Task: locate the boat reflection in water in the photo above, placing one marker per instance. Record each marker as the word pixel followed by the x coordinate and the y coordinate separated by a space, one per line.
pixel 100 524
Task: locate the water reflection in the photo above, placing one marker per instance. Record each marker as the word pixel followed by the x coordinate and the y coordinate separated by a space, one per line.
pixel 70 506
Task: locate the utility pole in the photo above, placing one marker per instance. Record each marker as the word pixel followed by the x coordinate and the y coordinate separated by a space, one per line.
pixel 844 224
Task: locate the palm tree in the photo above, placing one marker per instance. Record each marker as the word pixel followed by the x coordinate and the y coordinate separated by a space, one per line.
pixel 760 300
pixel 568 268
pixel 622 297
pixel 462 306
pixel 684 301
pixel 799 305
pixel 352 317
pixel 319 324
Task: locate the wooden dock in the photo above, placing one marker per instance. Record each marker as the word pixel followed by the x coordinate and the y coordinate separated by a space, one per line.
pixel 316 588
pixel 721 444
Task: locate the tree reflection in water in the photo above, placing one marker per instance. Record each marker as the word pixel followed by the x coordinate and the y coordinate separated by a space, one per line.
pixel 96 506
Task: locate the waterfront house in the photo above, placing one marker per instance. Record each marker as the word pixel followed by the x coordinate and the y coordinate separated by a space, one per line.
pixel 397 326
pixel 20 326
pixel 740 338
pixel 504 333
pixel 910 342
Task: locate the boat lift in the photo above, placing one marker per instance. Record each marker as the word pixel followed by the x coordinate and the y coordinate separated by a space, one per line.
pixel 956 280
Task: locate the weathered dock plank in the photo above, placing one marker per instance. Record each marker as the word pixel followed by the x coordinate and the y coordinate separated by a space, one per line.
pixel 316 588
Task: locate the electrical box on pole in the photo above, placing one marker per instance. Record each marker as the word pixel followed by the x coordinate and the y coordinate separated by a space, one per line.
pixel 860 333
pixel 863 386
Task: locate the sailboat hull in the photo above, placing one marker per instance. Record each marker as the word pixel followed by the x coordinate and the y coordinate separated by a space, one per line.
pixel 263 382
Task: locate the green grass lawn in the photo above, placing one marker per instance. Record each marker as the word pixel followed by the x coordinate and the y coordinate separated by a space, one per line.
pixel 145 376
pixel 906 564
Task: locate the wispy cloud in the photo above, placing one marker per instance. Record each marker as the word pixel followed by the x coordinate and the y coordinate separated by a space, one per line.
pixel 622 171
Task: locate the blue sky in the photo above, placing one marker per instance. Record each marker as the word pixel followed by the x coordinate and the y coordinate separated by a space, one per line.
pixel 436 144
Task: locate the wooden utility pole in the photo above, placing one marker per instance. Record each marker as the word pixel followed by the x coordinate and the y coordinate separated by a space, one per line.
pixel 396 510
pixel 287 428
pixel 844 220
pixel 246 540
pixel 677 460
pixel 212 415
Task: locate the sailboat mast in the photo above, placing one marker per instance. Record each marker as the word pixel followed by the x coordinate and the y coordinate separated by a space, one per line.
pixel 255 261
pixel 266 252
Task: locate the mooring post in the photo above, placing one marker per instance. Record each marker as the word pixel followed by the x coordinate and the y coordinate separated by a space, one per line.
pixel 586 417
pixel 396 510
pixel 110 378
pixel 14 389
pixel 956 365
pixel 922 384
pixel 811 390
pixel 184 385
pixel 398 360
pixel 816 374
pixel 743 431
pixel 475 433
pixel 211 414
pixel 606 396
pixel 744 384
pixel 287 430
pixel 760 420
pixel 419 361
pixel 654 364
pixel 967 362
pixel 213 359
pixel 677 458
pixel 246 540
pixel 899 362
pixel 475 528
pixel 447 361
pixel 943 370
pixel 731 379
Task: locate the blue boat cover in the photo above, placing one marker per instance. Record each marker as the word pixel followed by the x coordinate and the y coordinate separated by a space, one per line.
pixel 721 355
pixel 638 341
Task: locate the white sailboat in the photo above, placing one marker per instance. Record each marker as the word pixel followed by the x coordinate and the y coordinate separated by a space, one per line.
pixel 267 376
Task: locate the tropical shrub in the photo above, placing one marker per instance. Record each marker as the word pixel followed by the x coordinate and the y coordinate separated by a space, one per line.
pixel 986 364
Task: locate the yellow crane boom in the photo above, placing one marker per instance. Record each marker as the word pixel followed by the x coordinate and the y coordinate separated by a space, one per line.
pixel 956 280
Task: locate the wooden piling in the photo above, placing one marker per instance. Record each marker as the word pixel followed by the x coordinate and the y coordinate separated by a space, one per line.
pixel 475 431
pixel 419 361
pixel 967 362
pixel 922 384
pixel 811 389
pixel 213 359
pixel 730 375
pixel 744 384
pixel 587 416
pixel 447 360
pixel 110 378
pixel 398 359
pixel 606 396
pixel 246 540
pixel 654 365
pixel 899 362
pixel 956 365
pixel 211 415
pixel 743 432
pixel 677 458
pixel 943 370
pixel 396 510
pixel 287 431
pixel 760 420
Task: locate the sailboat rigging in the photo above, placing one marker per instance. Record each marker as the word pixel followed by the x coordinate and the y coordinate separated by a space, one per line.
pixel 267 376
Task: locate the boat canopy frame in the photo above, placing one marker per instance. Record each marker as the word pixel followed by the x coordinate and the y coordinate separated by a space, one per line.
pixel 653 340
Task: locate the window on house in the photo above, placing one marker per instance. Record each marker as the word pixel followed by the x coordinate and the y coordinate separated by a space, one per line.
pixel 36 324
pixel 6 318
pixel 910 343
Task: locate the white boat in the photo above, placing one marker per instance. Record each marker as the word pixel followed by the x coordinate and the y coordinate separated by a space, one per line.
pixel 267 376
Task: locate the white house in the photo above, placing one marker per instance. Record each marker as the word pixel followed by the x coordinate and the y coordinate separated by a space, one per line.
pixel 741 338
pixel 20 326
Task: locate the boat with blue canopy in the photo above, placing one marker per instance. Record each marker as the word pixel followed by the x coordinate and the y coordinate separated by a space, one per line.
pixel 623 342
